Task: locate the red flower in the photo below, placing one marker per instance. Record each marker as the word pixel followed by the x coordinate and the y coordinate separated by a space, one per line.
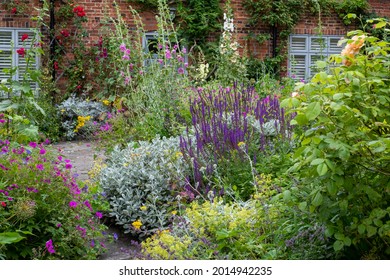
pixel 3 204
pixel 21 51
pixel 65 33
pixel 24 37
pixel 79 11
pixel 78 87
pixel 14 10
pixel 55 65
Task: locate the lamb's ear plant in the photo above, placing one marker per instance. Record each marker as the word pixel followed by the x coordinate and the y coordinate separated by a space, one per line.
pixel 141 183
pixel 343 129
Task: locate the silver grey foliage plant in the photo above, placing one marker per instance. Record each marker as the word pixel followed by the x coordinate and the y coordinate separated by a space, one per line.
pixel 141 183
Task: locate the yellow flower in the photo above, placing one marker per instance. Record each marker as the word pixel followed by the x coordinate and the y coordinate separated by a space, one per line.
pixel 106 102
pixel 143 208
pixel 179 154
pixel 137 224
pixel 241 144
pixel 81 122
pixel 174 212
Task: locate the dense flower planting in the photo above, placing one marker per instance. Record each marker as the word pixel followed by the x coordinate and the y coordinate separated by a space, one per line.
pixel 45 212
pixel 200 163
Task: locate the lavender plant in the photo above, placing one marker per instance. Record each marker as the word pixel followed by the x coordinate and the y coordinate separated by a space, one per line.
pixel 230 127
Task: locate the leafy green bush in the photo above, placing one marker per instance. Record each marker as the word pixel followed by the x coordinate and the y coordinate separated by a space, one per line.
pixel 44 212
pixel 343 120
pixel 141 182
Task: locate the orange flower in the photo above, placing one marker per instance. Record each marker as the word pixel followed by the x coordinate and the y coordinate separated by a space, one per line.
pixel 352 49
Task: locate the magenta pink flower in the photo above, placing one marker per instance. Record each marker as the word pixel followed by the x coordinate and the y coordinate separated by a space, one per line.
pixel 86 203
pixel 73 204
pixel 33 145
pixel 50 247
pixel 40 166
pixel 122 47
pixel 168 54
pixel 42 151
pixel 68 166
pixel 99 215
pixel 180 70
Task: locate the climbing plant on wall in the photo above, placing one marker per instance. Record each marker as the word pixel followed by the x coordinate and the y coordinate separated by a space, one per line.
pixel 283 15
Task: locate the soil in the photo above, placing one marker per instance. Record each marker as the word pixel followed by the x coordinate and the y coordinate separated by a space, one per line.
pixel 82 155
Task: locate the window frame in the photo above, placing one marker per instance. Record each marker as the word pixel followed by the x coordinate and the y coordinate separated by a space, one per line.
pixel 308 52
pixel 153 35
pixel 14 44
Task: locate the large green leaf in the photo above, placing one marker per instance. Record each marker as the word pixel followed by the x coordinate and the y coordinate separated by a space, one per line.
pixel 7 105
pixel 10 237
pixel 313 110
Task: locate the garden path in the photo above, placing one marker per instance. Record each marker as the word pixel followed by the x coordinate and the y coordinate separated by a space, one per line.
pixel 82 155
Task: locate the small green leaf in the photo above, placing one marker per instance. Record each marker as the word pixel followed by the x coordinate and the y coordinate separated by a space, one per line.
pixel 321 64
pixel 371 231
pixel 332 188
pixel 338 245
pixel 322 169
pixel 301 119
pixel 287 195
pixel 338 96
pixel 347 241
pixel 306 141
pixel 380 25
pixel 339 236
pixel 317 201
pixel 302 206
pixel 317 161
pixel 361 229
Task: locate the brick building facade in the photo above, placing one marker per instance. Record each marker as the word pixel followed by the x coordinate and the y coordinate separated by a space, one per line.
pixel 303 38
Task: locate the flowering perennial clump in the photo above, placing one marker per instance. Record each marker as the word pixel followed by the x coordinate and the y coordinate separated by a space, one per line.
pixel 43 206
pixel 223 122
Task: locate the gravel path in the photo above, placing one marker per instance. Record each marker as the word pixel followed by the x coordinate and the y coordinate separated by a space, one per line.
pixel 82 155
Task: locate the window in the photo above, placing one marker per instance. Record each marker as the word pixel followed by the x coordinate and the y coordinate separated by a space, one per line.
pixel 10 42
pixel 306 50
pixel 150 45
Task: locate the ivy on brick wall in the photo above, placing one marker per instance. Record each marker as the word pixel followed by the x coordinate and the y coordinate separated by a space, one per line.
pixel 286 13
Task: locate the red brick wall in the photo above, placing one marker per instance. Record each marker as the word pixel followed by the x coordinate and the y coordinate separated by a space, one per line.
pixel 22 18
pixel 96 10
pixel 381 7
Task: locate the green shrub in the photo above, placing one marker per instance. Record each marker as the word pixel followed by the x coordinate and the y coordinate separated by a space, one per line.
pixel 44 212
pixel 141 182
pixel 343 120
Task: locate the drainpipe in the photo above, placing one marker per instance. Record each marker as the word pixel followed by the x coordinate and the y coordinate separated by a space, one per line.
pixel 52 39
pixel 274 31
